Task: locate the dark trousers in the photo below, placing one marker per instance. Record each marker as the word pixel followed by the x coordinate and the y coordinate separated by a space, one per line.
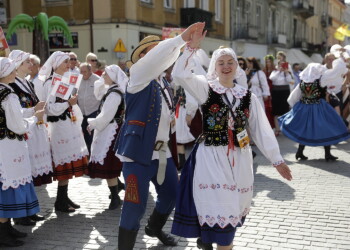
pixel 84 125
pixel 137 179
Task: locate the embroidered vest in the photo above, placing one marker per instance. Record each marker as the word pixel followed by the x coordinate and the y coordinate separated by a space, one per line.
pixel 180 97
pixel 312 92
pixel 4 131
pixel 118 117
pixel 138 133
pixel 64 115
pixel 26 100
pixel 215 119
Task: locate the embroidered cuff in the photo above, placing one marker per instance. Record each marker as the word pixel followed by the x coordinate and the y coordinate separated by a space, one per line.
pixel 275 164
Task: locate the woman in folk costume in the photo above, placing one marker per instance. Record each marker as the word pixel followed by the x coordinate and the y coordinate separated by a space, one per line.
pixel 38 142
pixel 17 194
pixel 216 185
pixel 312 121
pixel 103 161
pixel 69 151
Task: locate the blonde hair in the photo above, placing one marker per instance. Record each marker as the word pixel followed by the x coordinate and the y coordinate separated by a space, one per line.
pixel 90 56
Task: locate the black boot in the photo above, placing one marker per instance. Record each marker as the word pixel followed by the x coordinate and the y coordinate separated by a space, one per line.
pixel 115 201
pixel 24 221
pixel 154 228
pixel 182 160
pixel 5 237
pixel 204 246
pixel 121 186
pixel 36 217
pixel 71 203
pixel 300 155
pixel 328 156
pixel 126 239
pixel 61 203
pixel 14 232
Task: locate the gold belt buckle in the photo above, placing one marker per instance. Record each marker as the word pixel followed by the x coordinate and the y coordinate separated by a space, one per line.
pixel 158 145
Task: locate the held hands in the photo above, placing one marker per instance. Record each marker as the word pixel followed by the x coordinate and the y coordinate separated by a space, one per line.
pixel 73 100
pixel 194 34
pixel 284 171
pixel 40 114
pixel 39 106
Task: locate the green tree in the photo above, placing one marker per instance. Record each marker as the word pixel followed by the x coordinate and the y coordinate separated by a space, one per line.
pixel 41 26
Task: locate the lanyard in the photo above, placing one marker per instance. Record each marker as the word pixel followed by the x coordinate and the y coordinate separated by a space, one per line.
pixel 231 105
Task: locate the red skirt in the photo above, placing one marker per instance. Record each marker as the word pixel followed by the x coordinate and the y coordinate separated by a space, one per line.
pixel 111 167
pixel 68 170
pixel 42 179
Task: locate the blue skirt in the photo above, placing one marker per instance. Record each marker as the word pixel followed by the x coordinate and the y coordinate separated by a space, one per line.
pixel 314 125
pixel 186 222
pixel 18 202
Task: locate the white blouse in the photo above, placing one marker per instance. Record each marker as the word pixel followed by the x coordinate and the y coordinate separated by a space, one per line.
pixel 279 78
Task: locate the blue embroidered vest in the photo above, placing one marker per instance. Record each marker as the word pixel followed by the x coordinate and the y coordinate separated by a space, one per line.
pixel 4 131
pixel 215 119
pixel 138 134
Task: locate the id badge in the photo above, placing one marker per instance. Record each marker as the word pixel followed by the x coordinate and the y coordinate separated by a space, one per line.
pixel 243 139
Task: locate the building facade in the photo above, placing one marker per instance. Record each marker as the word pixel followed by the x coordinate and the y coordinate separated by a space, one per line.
pixel 251 27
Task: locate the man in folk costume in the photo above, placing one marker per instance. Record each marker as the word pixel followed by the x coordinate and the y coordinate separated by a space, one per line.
pixel 143 139
pixel 38 142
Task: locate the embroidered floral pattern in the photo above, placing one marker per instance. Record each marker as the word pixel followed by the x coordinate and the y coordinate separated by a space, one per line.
pixel 228 187
pixel 311 92
pixel 222 220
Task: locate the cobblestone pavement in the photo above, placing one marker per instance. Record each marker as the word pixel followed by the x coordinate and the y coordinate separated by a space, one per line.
pixel 311 212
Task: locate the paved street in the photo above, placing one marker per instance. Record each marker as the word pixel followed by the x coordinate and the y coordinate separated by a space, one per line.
pixel 311 212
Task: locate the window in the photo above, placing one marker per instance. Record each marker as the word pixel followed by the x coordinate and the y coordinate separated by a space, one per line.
pixel 258 16
pixel 189 4
pixel 168 4
pixel 218 10
pixel 204 5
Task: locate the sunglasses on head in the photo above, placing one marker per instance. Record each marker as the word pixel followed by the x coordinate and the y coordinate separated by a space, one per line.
pixel 72 59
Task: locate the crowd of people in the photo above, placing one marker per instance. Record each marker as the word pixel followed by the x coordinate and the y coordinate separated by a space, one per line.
pixel 138 121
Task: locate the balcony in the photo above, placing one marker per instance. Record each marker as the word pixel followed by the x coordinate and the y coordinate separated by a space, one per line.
pixel 192 15
pixel 276 38
pixel 246 32
pixel 303 9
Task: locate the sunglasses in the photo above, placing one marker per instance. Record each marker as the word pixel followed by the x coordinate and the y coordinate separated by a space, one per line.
pixel 72 59
pixel 93 60
pixel 241 64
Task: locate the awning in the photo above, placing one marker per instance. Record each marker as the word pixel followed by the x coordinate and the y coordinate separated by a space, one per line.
pixel 317 58
pixel 297 56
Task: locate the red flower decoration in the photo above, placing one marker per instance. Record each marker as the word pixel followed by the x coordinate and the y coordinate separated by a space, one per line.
pixel 214 108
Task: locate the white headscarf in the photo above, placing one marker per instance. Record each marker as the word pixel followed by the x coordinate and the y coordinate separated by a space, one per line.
pixel 211 75
pixel 18 56
pixel 6 66
pixel 52 63
pixel 312 72
pixel 117 75
pixel 335 50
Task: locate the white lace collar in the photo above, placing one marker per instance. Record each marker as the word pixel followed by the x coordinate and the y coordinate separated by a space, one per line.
pixel 237 91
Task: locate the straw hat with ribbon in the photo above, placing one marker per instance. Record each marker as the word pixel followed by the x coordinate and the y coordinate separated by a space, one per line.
pixel 144 43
